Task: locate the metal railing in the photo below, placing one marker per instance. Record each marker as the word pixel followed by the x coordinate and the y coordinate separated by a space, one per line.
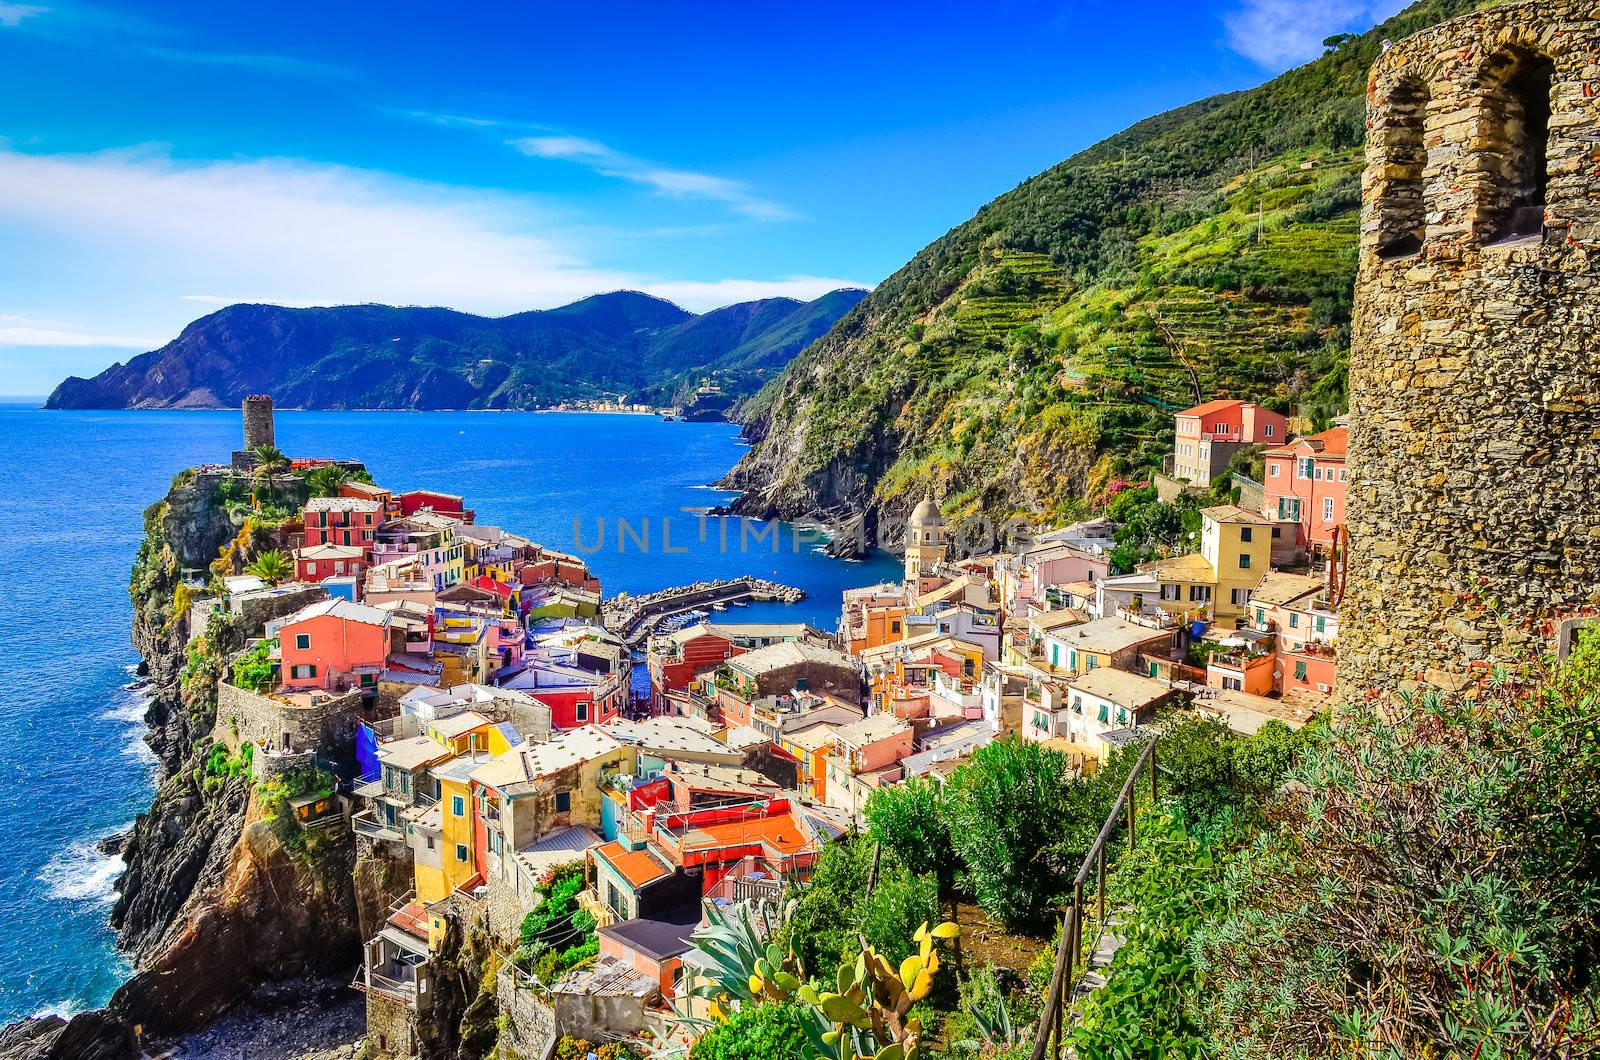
pixel 368 825
pixel 1063 978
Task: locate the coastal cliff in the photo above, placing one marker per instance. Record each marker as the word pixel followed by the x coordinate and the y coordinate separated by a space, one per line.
pixel 222 893
pixel 218 877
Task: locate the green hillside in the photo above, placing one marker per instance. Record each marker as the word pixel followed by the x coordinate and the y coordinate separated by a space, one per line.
pixel 1033 354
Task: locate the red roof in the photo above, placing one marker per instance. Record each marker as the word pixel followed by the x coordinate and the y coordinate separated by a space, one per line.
pixel 1335 442
pixel 1211 406
pixel 497 587
pixel 638 867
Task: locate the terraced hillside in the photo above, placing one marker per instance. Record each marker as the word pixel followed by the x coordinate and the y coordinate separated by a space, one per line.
pixel 1034 354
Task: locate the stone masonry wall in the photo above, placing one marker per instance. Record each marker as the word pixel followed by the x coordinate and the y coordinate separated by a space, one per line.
pixel 1475 368
pixel 243 716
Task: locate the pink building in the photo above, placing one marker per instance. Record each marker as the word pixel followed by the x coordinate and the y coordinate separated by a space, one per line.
pixel 1305 487
pixel 334 644
pixel 1208 435
pixel 866 756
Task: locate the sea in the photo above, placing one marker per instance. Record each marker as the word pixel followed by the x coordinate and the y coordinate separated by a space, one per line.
pixel 73 765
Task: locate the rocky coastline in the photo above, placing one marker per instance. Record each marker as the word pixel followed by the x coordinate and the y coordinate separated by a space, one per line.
pixel 215 911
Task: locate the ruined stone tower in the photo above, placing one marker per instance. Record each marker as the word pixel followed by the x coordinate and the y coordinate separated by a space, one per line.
pixel 1475 366
pixel 258 430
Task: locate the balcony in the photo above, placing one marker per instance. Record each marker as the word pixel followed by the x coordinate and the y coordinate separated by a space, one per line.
pixel 365 824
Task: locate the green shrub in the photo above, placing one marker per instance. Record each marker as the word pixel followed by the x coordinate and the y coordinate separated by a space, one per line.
pixel 773 1031
pixel 1007 804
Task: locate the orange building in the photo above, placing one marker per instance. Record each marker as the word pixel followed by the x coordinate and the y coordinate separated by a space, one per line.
pixel 334 644
pixel 1208 435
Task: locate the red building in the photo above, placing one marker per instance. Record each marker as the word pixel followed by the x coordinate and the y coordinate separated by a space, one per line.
pixel 447 504
pixel 1305 486
pixel 674 660
pixel 316 563
pixel 334 644
pixel 350 521
pixel 576 697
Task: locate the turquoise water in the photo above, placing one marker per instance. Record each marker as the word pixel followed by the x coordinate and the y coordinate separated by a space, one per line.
pixel 72 767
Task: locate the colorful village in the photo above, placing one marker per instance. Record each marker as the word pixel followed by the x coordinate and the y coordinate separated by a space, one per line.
pixel 505 764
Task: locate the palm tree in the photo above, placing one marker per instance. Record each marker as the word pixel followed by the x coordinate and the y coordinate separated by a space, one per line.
pixel 268 460
pixel 326 481
pixel 271 567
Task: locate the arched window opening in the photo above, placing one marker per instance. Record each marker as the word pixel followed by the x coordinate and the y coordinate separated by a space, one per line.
pixel 1517 133
pixel 1402 214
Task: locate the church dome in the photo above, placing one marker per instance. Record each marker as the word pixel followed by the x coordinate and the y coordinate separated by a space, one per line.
pixel 926 514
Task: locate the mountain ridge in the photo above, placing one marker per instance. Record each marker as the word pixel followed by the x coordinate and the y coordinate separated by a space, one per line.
pixel 1031 357
pixel 620 343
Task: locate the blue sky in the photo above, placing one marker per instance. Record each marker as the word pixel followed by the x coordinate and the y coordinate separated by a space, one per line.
pixel 160 160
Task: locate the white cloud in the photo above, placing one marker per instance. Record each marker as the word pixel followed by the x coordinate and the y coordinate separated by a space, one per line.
pixel 25 331
pixel 1279 34
pixel 674 183
pixel 132 241
pixel 568 147
pixel 12 15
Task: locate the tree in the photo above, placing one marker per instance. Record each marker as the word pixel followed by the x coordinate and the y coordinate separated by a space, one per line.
pixel 253 669
pixel 1007 805
pixel 909 820
pixel 267 461
pixel 271 567
pixel 326 481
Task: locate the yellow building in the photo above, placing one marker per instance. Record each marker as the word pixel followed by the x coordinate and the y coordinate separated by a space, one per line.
pixel 1215 583
pixel 470 731
pixel 1237 543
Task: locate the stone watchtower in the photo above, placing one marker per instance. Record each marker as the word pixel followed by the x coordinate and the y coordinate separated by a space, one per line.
pixel 258 430
pixel 1475 362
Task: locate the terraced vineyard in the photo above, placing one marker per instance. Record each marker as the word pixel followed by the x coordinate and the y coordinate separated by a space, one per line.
pixel 1011 289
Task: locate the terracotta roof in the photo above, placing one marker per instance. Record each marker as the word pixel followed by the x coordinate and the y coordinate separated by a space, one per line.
pixel 1333 443
pixel 781 834
pixel 638 867
pixel 1211 406
pixel 412 919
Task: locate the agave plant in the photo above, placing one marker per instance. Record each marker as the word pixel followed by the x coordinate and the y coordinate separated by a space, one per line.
pixel 744 964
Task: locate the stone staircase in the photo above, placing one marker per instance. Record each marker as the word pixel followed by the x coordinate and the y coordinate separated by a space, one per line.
pixel 1105 949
